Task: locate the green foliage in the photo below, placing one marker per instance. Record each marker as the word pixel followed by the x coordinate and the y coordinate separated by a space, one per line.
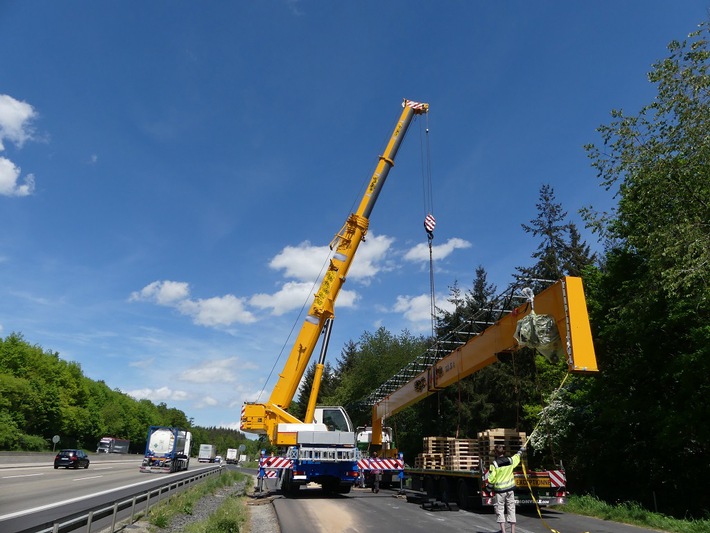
pixel 326 388
pixel 368 363
pixel 633 513
pixel 228 518
pixel 659 163
pixel 159 518
pixel 650 300
pixel 42 395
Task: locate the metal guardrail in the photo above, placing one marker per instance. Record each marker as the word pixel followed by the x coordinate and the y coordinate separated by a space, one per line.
pixel 100 515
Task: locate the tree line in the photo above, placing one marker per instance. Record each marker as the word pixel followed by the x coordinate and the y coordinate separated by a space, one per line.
pixel 42 395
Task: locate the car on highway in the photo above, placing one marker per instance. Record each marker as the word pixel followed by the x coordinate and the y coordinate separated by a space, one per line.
pixel 71 459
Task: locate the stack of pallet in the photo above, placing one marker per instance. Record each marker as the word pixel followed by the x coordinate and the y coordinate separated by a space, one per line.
pixel 463 455
pixel 511 440
pixel 435 450
pixel 448 453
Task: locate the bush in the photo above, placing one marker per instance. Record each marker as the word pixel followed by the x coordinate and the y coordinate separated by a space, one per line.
pixel 32 443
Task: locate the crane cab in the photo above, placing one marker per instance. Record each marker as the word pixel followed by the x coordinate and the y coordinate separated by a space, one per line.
pixel 335 418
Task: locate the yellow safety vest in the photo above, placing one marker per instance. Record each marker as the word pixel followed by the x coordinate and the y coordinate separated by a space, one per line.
pixel 501 474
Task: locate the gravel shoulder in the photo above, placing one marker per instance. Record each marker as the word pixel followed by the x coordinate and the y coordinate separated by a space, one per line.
pixel 261 514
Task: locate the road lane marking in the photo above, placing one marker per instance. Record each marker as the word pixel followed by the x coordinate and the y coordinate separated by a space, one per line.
pixel 83 478
pixel 21 475
pixel 33 510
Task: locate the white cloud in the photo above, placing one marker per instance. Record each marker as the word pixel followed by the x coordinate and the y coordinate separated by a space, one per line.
pixel 159 395
pixel 142 363
pixel 15 121
pixel 417 309
pixel 216 311
pixel 15 126
pixel 306 262
pixel 421 251
pixel 163 292
pixel 293 295
pixel 9 176
pixel 214 371
pixel 303 262
pixel 207 401
pixel 372 258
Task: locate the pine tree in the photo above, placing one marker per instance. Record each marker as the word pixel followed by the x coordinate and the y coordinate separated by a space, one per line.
pixel 561 251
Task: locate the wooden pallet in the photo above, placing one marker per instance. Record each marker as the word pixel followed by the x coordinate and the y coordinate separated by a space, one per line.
pixel 437 444
pixel 464 447
pixel 462 462
pixel 431 461
pixel 510 439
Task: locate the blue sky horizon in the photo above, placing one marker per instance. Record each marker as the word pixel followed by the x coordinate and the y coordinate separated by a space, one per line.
pixel 171 173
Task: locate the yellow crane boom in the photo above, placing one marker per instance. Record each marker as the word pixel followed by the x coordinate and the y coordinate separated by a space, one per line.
pixel 263 418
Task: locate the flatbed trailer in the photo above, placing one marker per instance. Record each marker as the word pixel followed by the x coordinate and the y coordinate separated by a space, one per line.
pixel 467 487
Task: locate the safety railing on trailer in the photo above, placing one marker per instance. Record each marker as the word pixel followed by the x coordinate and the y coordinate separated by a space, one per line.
pixel 117 511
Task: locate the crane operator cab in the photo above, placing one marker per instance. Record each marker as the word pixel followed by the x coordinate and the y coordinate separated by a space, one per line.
pixel 333 417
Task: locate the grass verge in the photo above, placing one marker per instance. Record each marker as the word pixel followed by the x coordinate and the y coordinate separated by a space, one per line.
pixel 229 517
pixel 632 513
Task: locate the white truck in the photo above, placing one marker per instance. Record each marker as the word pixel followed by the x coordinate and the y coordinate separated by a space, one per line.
pixel 232 457
pixel 112 445
pixel 167 449
pixel 207 454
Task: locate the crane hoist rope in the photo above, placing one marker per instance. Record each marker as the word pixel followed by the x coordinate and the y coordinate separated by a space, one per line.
pixel 429 223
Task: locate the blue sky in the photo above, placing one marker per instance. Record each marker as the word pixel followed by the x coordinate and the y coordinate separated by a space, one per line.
pixel 171 173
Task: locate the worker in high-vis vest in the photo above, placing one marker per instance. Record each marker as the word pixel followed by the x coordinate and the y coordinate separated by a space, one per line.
pixel 501 480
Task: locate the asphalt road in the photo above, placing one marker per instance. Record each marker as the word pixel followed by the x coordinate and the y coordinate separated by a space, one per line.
pixel 30 481
pixel 362 511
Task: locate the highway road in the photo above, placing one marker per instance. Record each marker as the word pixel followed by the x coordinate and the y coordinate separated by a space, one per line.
pixel 30 481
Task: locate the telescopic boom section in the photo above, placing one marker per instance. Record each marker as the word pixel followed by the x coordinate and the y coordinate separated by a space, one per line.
pixel 564 301
pixel 264 418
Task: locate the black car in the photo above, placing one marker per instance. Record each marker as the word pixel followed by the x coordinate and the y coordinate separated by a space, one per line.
pixel 71 458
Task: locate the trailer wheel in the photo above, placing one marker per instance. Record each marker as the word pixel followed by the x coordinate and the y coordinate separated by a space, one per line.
pixel 463 495
pixel 430 487
pixel 444 493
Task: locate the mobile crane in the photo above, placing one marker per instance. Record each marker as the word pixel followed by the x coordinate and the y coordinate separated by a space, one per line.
pixel 564 306
pixel 322 447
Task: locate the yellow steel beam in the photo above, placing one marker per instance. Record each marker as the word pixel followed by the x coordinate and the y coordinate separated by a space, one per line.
pixel 564 301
